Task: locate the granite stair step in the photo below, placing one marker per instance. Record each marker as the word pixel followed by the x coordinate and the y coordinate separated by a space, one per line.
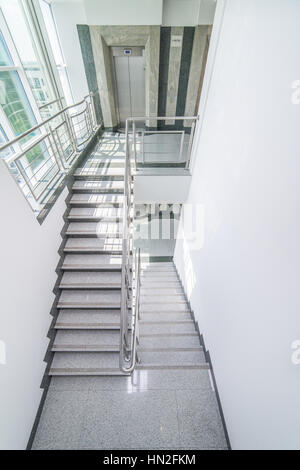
pixel 92 262
pixel 71 298
pixel 91 280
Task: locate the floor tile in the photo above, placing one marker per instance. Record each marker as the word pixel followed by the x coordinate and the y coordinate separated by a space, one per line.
pixel 124 420
pixel 61 422
pixel 200 424
pixel 187 379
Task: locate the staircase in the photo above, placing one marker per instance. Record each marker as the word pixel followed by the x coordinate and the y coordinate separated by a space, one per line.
pixel 88 323
pixel 168 401
pixel 168 337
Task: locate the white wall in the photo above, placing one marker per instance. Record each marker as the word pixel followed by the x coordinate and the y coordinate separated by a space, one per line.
pixel 188 12
pixel 180 12
pixel 207 11
pixel 120 12
pixel 28 254
pixel 67 15
pixel 242 276
pixel 170 189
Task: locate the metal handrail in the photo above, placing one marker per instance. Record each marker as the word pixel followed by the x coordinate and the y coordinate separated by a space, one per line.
pixel 128 341
pixel 39 164
pixel 41 124
pixel 133 120
pixel 128 352
pixel 51 102
pixel 126 344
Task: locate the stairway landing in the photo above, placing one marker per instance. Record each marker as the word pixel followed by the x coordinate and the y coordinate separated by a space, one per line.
pixel 168 402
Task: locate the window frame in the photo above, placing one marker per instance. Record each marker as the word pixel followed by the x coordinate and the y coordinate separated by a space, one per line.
pixel 16 67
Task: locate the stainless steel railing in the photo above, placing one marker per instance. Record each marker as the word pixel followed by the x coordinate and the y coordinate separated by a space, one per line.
pixel 162 146
pixel 129 292
pixel 131 259
pixel 40 157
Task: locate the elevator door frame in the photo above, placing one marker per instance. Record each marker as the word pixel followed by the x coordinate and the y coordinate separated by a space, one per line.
pixel 118 51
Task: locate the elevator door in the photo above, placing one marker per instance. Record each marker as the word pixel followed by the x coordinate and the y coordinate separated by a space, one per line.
pixel 129 76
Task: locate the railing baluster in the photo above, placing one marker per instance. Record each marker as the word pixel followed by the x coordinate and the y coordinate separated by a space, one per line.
pixel 129 289
pixel 49 153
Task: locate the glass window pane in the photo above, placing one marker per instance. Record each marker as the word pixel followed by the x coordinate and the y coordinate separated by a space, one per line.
pixel 3 139
pixel 15 103
pixel 5 58
pixel 27 50
pixel 56 49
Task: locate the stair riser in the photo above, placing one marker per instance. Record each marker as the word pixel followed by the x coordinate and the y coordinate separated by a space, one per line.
pixel 85 190
pixel 99 268
pixel 70 373
pixel 191 341
pixel 88 326
pixel 93 234
pixel 82 251
pixel 95 177
pixel 166 316
pixel 160 328
pixel 161 299
pixel 160 287
pixel 74 218
pixel 167 277
pixel 113 287
pixel 161 292
pixel 160 307
pixel 86 349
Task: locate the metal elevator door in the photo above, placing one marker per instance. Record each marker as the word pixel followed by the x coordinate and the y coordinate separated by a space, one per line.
pixel 129 82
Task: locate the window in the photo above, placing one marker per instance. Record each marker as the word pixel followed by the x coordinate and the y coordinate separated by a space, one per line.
pixel 13 99
pixel 25 44
pixel 5 58
pixel 36 83
pixel 14 102
pixel 56 49
pixel 3 139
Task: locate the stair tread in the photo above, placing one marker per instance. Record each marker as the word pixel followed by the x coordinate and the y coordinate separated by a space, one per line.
pixel 96 228
pixel 96 172
pixel 91 279
pixel 77 244
pixel 86 318
pixel 89 261
pixel 87 340
pixel 97 213
pixel 87 199
pixel 85 360
pixel 98 186
pixel 70 337
pixel 89 298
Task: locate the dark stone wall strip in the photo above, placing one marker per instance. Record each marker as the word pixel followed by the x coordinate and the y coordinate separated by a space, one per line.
pixel 165 39
pixel 185 65
pixel 89 66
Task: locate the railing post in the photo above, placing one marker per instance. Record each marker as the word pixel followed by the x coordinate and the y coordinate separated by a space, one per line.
pixel 134 144
pixel 143 146
pixel 71 129
pixel 124 307
pixel 181 145
pixel 93 109
pixel 188 157
pixel 60 157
